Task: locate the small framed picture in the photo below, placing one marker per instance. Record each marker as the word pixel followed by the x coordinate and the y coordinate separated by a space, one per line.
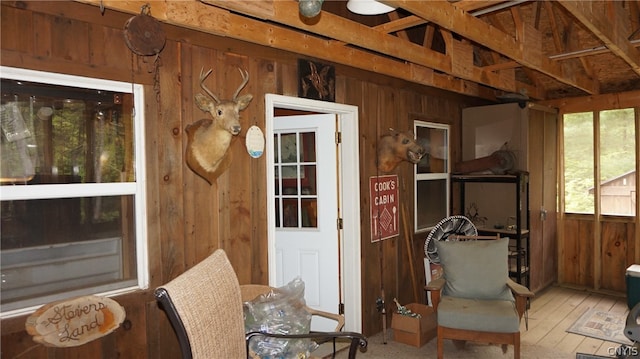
pixel 316 80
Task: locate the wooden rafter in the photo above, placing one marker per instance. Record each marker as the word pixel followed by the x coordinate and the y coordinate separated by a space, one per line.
pixel 571 41
pixel 608 27
pixel 401 33
pixel 555 32
pixel 481 56
pixel 351 32
pixel 519 25
pixel 634 9
pixel 398 24
pixel 210 19
pixel 525 52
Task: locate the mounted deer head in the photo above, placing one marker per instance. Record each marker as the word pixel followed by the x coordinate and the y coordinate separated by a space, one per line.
pixel 396 147
pixel 208 139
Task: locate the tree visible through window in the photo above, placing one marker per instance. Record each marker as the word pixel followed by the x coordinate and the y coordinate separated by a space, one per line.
pixel 616 147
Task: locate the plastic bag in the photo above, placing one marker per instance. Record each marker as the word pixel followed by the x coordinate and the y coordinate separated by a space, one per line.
pixel 18 146
pixel 280 311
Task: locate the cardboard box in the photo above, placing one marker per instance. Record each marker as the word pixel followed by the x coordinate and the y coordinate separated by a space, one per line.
pixel 414 331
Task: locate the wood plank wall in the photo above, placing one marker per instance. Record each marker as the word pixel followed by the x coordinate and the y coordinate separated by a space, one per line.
pixel 581 263
pixel 187 218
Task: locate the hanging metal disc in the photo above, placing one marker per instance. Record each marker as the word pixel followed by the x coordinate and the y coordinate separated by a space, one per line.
pixel 144 35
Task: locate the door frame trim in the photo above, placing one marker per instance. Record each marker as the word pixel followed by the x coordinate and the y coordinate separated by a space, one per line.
pixel 349 174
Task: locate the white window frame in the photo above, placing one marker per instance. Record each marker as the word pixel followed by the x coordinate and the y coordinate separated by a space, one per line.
pixel 431 176
pixel 136 189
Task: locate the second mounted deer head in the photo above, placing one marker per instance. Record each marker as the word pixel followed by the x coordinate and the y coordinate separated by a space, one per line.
pixel 208 139
pixel 396 147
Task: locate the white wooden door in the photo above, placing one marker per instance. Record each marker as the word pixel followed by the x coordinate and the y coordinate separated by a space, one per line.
pixel 306 207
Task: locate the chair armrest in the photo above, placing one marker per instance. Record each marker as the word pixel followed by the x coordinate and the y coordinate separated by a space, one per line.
pixel 519 289
pixel 337 317
pixel 357 340
pixel 522 294
pixel 435 285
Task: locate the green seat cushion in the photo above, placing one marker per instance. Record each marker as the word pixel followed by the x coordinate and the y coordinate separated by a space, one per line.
pixel 476 269
pixel 497 316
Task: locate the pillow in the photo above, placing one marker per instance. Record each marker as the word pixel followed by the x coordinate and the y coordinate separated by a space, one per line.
pixel 475 269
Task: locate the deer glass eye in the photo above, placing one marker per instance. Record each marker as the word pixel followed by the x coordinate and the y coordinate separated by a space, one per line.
pixel 405 141
pixel 219 112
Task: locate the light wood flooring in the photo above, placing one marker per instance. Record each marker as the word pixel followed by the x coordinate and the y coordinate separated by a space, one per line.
pixel 551 313
pixel 556 308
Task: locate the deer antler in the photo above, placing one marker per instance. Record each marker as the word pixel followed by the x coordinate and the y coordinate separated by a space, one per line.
pixel 203 76
pixel 245 79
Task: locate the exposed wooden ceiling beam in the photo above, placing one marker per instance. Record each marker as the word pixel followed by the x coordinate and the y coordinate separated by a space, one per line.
pixel 351 32
pixel 555 32
pixel 527 51
pixel 608 27
pixel 502 66
pixel 202 17
pixel 393 16
pixel 570 40
pixel 400 24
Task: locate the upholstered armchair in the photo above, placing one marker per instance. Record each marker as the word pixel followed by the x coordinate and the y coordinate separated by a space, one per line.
pixel 204 307
pixel 475 300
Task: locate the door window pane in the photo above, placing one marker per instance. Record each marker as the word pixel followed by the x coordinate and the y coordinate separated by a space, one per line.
pixel 296 180
pixel 308 179
pixel 308 148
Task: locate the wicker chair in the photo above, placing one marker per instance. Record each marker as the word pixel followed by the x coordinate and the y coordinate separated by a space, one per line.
pixel 204 307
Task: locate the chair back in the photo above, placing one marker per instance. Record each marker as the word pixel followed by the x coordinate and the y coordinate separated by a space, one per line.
pixel 476 269
pixel 204 307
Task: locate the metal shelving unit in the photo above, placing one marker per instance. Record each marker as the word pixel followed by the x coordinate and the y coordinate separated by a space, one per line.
pixel 518 233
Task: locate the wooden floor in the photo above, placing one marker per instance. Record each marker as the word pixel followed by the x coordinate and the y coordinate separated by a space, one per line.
pixel 556 308
pixel 551 313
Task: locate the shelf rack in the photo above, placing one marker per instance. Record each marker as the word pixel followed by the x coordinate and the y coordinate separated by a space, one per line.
pixel 518 233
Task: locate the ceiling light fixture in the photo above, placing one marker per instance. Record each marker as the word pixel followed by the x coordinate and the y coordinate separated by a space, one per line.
pixel 310 8
pixel 368 7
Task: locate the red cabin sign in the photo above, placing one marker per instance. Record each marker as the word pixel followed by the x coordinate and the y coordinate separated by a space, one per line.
pixel 384 207
pixel 74 322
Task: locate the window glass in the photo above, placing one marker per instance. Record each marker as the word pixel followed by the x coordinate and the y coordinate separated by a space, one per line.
pixel 434 140
pixel 430 197
pixel 431 175
pixel 617 162
pixel 72 220
pixel 578 162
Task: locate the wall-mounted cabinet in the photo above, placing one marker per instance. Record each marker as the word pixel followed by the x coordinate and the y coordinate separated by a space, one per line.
pixel 530 132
